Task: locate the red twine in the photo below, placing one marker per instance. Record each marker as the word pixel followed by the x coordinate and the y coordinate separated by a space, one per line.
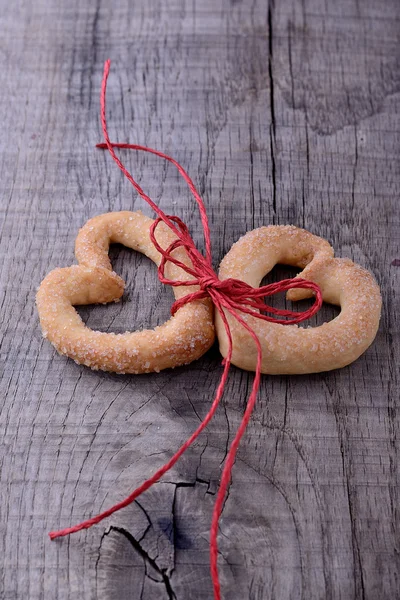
pixel 231 296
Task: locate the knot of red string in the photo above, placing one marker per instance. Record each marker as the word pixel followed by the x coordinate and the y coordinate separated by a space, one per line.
pixel 207 282
pixel 230 296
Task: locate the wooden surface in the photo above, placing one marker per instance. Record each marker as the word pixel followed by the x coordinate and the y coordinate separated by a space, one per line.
pixel 287 113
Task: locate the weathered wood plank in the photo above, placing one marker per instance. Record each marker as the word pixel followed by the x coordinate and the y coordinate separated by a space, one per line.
pixel 281 113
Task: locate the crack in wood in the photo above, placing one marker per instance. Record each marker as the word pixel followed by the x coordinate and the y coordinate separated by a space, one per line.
pixel 147 559
pixel 272 130
pixel 353 185
pixel 358 575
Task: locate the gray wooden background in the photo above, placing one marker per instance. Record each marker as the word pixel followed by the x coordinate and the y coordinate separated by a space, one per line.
pixel 282 113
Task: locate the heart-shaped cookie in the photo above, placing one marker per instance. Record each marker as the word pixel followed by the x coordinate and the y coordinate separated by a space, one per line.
pixel 291 349
pixel 182 339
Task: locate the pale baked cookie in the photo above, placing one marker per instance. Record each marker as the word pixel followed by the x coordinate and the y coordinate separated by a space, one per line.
pixel 292 349
pixel 182 339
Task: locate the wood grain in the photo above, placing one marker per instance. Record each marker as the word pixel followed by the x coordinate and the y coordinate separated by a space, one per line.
pixel 282 113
